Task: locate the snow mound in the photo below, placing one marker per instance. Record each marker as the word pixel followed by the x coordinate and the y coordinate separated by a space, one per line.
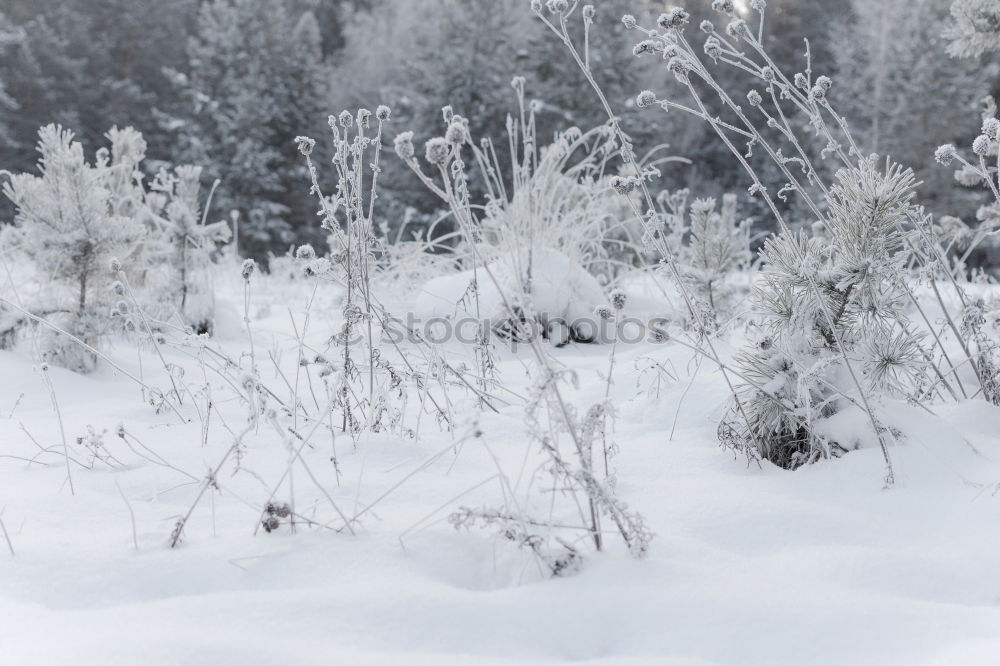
pixel 560 294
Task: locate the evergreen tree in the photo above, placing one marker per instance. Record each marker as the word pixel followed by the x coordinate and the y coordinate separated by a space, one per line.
pixel 68 226
pixel 901 91
pixel 255 81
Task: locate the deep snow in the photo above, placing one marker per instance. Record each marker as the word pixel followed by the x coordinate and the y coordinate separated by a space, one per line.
pixel 752 565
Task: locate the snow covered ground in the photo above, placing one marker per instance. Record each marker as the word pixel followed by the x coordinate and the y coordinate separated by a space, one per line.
pixel 751 565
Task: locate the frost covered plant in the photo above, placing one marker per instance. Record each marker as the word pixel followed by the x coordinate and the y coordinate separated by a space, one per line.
pixel 566 441
pixel 67 225
pixel 979 327
pixel 822 292
pixel 713 245
pixel 974 28
pixel 796 373
pixel 181 244
pixel 569 444
pixel 371 392
pixel 550 220
pixel 980 165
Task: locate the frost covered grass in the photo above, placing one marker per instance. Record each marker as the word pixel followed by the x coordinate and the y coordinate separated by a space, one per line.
pixel 394 445
pixel 903 575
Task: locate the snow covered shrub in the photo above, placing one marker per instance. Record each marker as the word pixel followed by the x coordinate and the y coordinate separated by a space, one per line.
pixel 552 213
pixel 68 225
pixel 832 300
pixel 564 296
pixel 796 375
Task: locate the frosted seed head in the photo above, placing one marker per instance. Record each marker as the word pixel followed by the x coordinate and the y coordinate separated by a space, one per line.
pixel 724 7
pixel 647 46
pixel 713 48
pixel 991 128
pixel 604 313
pixel 680 66
pixel 945 154
pixel 618 299
pixel 116 266
pixel 588 13
pixel 801 81
pixel 346 119
pixel 403 143
pixel 247 269
pixel 383 113
pixel 455 134
pixel 673 19
pixel 305 252
pixel 645 98
pixel 623 185
pixel 707 27
pixel 629 22
pixel 824 82
pixel 557 6
pixel 437 151
pixel 754 98
pixel 305 145
pixel 738 29
pixel 981 145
